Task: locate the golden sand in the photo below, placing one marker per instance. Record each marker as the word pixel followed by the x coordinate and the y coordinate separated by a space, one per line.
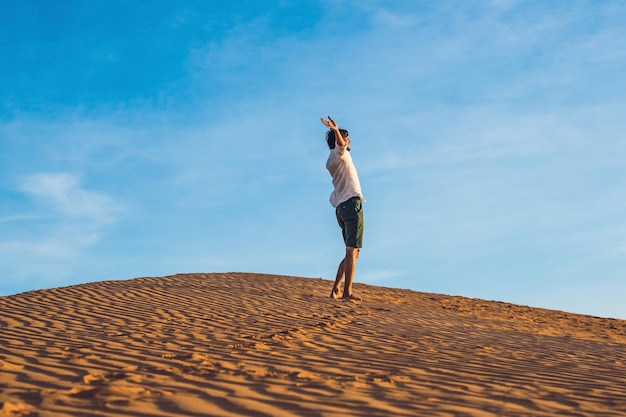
pixel 261 345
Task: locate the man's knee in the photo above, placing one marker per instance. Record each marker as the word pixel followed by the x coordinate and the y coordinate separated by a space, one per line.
pixel 352 252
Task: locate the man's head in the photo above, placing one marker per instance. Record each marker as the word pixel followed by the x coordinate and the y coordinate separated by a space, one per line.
pixel 331 139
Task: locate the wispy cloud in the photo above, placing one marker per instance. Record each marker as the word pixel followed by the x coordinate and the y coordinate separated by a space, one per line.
pixel 64 193
pixel 52 235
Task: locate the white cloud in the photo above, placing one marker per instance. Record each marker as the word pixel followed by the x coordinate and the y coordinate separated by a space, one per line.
pixel 26 252
pixel 64 193
pixel 50 237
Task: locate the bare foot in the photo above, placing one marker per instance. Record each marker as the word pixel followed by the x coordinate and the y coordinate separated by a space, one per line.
pixel 334 293
pixel 351 297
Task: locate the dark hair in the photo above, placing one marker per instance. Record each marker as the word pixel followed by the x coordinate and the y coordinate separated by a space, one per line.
pixel 330 137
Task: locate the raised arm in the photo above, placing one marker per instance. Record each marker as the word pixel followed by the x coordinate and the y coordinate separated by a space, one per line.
pixel 330 123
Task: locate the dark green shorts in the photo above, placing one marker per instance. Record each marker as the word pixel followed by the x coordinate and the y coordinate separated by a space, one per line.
pixel 350 219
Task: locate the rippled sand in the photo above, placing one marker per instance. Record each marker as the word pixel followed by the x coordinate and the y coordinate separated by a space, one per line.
pixel 262 345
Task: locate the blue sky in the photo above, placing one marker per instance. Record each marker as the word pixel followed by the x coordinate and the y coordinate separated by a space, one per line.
pixel 149 138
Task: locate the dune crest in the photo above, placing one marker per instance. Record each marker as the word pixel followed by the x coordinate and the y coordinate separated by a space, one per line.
pixel 262 345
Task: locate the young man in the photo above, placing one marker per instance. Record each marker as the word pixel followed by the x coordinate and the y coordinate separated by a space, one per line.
pixel 347 200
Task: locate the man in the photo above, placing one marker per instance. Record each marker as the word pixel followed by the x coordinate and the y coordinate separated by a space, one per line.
pixel 347 200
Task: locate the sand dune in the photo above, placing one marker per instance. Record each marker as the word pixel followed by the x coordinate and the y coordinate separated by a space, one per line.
pixel 260 345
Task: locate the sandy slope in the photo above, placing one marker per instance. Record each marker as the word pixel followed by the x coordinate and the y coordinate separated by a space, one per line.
pixel 260 345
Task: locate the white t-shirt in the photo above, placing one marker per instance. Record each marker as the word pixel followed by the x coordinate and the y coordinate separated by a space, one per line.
pixel 345 179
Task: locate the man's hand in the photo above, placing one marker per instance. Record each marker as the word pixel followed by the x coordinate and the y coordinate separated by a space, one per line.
pixel 340 140
pixel 330 123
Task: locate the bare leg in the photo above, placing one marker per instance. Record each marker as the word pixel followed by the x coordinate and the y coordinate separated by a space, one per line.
pixel 340 274
pixel 349 266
